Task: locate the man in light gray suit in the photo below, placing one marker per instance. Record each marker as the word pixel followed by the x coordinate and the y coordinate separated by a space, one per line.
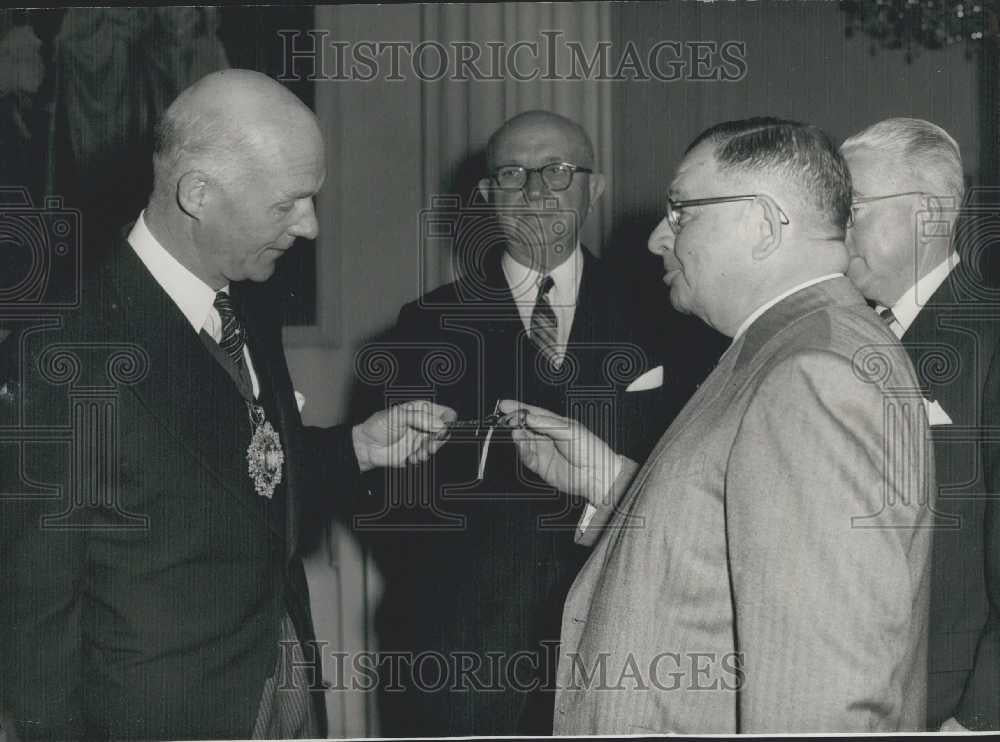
pixel 766 569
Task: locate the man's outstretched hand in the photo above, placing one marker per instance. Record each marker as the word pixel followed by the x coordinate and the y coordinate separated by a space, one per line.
pixel 406 433
pixel 563 452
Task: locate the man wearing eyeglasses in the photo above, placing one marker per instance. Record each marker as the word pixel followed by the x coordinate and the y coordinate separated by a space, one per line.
pixel 535 316
pixel 908 185
pixel 766 570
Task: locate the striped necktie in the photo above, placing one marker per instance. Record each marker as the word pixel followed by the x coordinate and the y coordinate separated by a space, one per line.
pixel 887 316
pixel 891 322
pixel 232 342
pixel 544 324
pixel 234 336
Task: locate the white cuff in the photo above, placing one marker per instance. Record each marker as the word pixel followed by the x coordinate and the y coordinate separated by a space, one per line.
pixel 588 513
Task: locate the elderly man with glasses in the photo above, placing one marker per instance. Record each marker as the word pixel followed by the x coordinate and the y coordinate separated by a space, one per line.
pixel 477 566
pixel 766 570
pixel 908 184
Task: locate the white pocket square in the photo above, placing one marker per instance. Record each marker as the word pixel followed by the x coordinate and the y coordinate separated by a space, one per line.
pixel 300 400
pixel 652 379
pixel 935 413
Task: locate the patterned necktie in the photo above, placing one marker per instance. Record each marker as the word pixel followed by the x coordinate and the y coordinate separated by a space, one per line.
pixel 234 339
pixel 891 322
pixel 545 325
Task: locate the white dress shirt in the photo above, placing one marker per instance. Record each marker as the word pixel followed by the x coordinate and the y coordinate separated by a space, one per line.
pixel 908 306
pixel 194 297
pixel 524 282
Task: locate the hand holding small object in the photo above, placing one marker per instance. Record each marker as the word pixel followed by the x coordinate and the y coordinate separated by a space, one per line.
pixel 407 433
pixel 563 452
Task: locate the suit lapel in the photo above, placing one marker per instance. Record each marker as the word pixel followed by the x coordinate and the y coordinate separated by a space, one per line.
pixel 833 292
pixel 706 394
pixel 584 315
pixel 186 390
pixel 503 327
pixel 599 328
pixel 924 327
pixel 738 362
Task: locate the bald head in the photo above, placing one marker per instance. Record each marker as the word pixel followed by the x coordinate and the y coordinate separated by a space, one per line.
pixel 238 160
pixel 225 123
pixel 534 141
pixel 533 127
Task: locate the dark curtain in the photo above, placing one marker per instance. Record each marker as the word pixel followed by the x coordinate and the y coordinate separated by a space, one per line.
pixel 84 134
pixel 114 71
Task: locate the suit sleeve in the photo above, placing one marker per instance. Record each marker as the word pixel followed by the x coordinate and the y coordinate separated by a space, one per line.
pixel 332 461
pixel 594 520
pixel 374 395
pixel 979 707
pixel 43 579
pixel 830 602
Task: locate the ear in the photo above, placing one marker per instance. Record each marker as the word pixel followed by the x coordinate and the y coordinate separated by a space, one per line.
pixel 935 219
pixel 192 193
pixel 597 184
pixel 766 227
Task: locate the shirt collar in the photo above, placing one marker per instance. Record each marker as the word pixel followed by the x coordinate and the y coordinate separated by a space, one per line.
pixel 767 305
pixel 524 281
pixel 194 297
pixel 913 300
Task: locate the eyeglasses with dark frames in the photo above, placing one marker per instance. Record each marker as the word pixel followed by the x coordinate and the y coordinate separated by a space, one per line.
pixel 557 176
pixel 674 207
pixel 862 200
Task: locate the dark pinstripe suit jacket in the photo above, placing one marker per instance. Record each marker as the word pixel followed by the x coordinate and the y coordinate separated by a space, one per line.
pixel 483 567
pixel 953 343
pixel 142 577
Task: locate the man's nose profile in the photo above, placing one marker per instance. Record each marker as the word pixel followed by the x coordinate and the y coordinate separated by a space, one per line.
pixel 308 225
pixel 661 240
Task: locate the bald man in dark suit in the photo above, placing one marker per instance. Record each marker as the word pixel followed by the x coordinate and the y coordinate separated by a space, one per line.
pixel 154 493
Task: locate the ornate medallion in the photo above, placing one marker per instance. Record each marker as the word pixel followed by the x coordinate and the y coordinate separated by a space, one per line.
pixel 264 455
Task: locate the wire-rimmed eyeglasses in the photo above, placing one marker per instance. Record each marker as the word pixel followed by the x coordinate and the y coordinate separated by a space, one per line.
pixel 862 200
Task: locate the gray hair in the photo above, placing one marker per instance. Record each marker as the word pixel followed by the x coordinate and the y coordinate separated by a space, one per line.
pixel 925 150
pixel 799 154
pixel 186 137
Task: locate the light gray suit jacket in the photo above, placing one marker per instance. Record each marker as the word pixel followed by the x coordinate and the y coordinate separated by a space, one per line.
pixel 767 569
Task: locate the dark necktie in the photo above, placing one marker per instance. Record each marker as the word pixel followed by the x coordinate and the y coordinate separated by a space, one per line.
pixel 545 325
pixel 891 322
pixel 234 339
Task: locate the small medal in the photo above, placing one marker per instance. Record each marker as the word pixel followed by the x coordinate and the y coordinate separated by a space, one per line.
pixel 264 455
